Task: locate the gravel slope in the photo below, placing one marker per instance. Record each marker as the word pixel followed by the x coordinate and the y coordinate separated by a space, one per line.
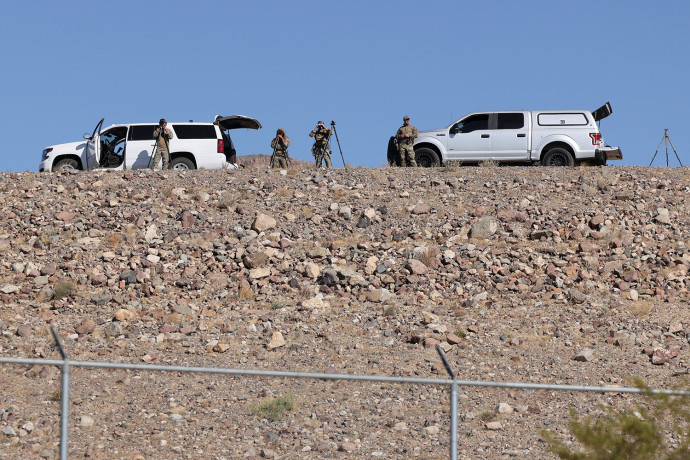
pixel 527 274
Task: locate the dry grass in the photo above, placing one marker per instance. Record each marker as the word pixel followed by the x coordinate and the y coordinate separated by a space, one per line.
pixel 64 288
pixel 306 211
pixel 113 240
pixel 430 256
pixel 284 192
pixel 340 194
pixel 227 200
pixel 489 164
pixel 641 308
pixel 245 293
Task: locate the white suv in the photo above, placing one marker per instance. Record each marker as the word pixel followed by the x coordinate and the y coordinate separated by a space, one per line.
pixel 130 146
pixel 552 138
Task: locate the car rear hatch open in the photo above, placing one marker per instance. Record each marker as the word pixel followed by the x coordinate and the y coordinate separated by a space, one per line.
pixel 236 122
pixel 602 112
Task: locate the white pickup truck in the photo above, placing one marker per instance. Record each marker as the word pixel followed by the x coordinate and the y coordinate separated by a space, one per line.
pixel 549 137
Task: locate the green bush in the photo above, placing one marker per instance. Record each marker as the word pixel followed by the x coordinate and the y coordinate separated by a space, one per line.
pixel 273 409
pixel 633 434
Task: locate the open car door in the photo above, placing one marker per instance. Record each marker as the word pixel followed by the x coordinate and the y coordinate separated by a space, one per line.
pixel 236 121
pixel 91 151
pixel 602 112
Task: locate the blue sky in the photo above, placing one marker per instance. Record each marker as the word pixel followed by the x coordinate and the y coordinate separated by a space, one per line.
pixel 364 64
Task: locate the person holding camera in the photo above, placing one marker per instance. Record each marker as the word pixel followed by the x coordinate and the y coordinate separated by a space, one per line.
pixel 162 135
pixel 280 144
pixel 405 136
pixel 321 149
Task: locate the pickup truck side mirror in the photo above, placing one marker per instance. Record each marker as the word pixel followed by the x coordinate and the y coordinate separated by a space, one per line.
pixel 454 130
pixel 87 136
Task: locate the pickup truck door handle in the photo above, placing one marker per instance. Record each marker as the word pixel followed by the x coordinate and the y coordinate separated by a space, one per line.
pixel 485 136
pixel 521 135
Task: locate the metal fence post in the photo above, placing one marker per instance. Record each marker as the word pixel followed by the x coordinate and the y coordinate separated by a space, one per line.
pixel 64 396
pixel 453 405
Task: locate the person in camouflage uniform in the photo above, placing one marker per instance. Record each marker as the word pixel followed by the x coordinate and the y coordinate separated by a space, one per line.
pixel 405 136
pixel 162 135
pixel 280 150
pixel 321 149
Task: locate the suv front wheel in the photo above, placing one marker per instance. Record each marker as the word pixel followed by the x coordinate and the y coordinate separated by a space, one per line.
pixel 67 164
pixel 182 164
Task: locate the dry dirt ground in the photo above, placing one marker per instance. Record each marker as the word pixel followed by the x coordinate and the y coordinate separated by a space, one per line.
pixel 522 274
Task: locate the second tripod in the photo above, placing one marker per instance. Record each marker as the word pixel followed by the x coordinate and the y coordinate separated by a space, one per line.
pixel 666 140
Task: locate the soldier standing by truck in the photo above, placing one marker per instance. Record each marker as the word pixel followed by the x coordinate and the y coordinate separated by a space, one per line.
pixel 405 136
pixel 321 149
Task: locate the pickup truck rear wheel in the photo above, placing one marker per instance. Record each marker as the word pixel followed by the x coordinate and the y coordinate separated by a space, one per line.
pixel 558 157
pixel 67 164
pixel 427 158
pixel 182 164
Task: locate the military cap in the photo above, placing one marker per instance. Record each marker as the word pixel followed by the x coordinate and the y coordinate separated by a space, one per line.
pixel 406 118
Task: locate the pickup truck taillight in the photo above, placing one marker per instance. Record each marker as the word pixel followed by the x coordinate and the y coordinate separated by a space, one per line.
pixel 596 138
pixel 221 147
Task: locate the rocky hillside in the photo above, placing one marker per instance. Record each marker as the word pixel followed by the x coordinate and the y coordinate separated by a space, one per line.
pixel 263 161
pixel 524 274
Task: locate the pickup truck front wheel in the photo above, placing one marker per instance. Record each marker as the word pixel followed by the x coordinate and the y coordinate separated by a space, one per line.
pixel 427 158
pixel 558 157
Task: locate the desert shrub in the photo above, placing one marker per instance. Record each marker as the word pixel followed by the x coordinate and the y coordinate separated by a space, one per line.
pixel 227 200
pixel 390 310
pixel 64 288
pixel 245 293
pixel 284 192
pixel 460 333
pixel 487 416
pixel 113 240
pixel 430 256
pixel 277 305
pixel 273 410
pixel 489 164
pixel 638 433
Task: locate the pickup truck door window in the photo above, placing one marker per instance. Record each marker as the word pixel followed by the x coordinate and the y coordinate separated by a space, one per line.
pixel 469 138
pixel 510 139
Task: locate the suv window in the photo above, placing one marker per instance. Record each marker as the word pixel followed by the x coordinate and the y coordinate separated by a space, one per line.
pixel 195 131
pixel 473 123
pixel 510 120
pixel 141 132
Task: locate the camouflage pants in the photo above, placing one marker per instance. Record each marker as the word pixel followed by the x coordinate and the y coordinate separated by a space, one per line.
pixel 157 158
pixel 406 155
pixel 280 161
pixel 322 153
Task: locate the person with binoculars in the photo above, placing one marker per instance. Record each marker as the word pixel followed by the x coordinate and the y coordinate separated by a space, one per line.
pixel 321 149
pixel 162 135
pixel 280 145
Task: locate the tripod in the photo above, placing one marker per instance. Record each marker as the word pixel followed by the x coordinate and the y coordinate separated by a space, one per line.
pixel 667 141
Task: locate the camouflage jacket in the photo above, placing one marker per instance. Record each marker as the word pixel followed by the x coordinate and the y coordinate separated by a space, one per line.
pixel 163 140
pixel 279 146
pixel 321 137
pixel 409 130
